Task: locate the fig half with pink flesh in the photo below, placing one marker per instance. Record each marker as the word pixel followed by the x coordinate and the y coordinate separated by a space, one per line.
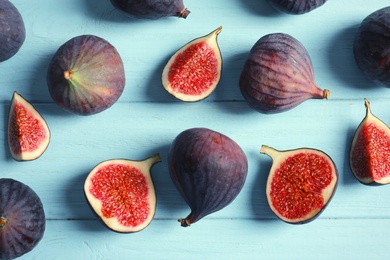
pixel 194 71
pixel 300 183
pixel 370 150
pixel 122 194
pixel 28 132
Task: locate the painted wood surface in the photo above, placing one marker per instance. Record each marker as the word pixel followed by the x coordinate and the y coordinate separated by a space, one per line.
pixel 146 119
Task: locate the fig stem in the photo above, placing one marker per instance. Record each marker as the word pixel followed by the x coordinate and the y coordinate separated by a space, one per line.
pixel 184 222
pixel 368 108
pixel 326 93
pixel 217 31
pixel 271 152
pixel 184 13
pixel 367 103
pixel 3 221
pixel 68 74
pixel 152 160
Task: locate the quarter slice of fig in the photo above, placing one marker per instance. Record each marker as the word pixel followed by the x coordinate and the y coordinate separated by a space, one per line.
pixel 86 75
pixel 208 169
pixel 28 132
pixel 22 219
pixel 300 184
pixel 370 150
pixel 194 71
pixel 152 9
pixel 278 75
pixel 122 194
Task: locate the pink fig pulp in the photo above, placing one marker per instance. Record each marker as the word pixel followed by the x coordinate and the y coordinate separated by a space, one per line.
pixel 122 194
pixel 370 150
pixel 28 132
pixel 300 184
pixel 194 71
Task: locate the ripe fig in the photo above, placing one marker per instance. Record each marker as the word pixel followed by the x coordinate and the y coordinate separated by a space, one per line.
pixel 300 183
pixel 152 9
pixel 22 219
pixel 278 75
pixel 28 132
pixel 12 30
pixel 371 47
pixel 370 150
pixel 121 193
pixel 208 169
pixel 86 75
pixel 194 71
pixel 296 6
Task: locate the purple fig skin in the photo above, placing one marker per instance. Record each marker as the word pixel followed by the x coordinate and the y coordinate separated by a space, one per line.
pixel 208 169
pixel 278 75
pixel 12 30
pixel 152 9
pixel 296 6
pixel 371 46
pixel 86 75
pixel 22 219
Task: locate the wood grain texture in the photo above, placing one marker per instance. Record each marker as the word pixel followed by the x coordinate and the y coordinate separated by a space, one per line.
pixel 146 119
pixel 217 239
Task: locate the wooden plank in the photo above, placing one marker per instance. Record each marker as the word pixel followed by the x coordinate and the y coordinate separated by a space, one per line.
pixel 146 119
pixel 210 239
pixel 144 59
pixel 137 130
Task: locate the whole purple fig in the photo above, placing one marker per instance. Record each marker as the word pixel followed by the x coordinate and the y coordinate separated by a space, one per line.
pixel 208 169
pixel 22 219
pixel 152 9
pixel 86 75
pixel 278 75
pixel 12 30
pixel 371 46
pixel 296 6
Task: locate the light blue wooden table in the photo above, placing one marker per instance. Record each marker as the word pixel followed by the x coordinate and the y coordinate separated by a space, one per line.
pixel 145 120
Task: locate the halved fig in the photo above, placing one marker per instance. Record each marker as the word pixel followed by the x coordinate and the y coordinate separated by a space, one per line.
pixel 370 150
pixel 28 132
pixel 194 71
pixel 22 219
pixel 122 194
pixel 300 184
